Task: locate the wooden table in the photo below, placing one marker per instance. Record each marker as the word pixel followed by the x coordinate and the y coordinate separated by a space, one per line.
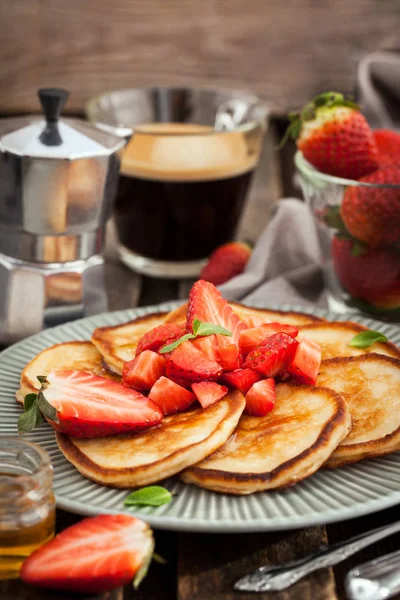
pixel 204 566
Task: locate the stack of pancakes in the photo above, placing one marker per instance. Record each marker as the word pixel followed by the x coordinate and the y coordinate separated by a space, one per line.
pixel 353 413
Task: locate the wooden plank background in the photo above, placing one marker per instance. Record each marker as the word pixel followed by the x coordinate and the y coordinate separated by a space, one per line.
pixel 285 51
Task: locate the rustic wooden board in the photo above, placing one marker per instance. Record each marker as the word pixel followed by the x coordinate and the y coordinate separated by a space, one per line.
pixel 285 52
pixel 208 565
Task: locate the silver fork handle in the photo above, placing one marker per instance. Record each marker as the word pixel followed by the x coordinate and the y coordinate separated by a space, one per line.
pixel 284 575
pixel 376 579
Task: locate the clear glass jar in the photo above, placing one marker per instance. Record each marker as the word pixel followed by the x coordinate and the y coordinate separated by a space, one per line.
pixel 27 504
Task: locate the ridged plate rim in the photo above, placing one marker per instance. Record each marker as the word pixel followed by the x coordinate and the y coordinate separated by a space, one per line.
pixel 349 492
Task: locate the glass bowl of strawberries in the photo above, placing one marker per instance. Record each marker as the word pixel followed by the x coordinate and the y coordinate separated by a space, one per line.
pixel 350 177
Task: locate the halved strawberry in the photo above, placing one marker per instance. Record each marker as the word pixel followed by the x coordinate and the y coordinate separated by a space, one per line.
pixel 207 304
pixel 209 392
pixel 260 399
pixel 160 336
pixel 88 406
pixel 242 379
pixel 306 362
pixel 188 365
pixel 142 372
pixel 95 555
pixel 171 397
pixel 273 356
pixel 250 338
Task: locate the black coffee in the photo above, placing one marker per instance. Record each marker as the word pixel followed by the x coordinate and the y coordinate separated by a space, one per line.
pixel 181 196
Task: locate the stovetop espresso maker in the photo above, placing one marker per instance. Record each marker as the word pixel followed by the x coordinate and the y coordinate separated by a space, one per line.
pixel 57 184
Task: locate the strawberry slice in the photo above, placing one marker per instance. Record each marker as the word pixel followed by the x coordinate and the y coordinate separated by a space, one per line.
pixel 273 356
pixel 207 304
pixel 209 392
pixel 93 556
pixel 160 336
pixel 242 379
pixel 260 399
pixel 88 406
pixel 250 338
pixel 188 365
pixel 171 397
pixel 305 365
pixel 142 372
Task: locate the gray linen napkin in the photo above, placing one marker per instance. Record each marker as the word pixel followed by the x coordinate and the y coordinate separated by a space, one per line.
pixel 284 266
pixel 378 89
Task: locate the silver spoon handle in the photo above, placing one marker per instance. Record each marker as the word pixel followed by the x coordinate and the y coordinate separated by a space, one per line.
pixel 284 575
pixel 376 579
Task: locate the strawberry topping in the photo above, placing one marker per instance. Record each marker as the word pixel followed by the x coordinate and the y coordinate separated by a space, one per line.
pixel 273 356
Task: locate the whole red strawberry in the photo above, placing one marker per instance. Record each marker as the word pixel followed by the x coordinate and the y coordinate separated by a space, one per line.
pixel 373 276
pixel 372 214
pixel 226 262
pixel 388 144
pixel 334 136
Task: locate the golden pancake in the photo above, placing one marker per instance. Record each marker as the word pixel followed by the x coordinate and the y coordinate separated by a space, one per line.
pixel 280 449
pixel 143 458
pixel 257 316
pixel 82 356
pixel 118 343
pixel 334 338
pixel 371 386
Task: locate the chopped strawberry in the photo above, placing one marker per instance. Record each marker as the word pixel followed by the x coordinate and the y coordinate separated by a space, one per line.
pixel 207 304
pixel 93 556
pixel 188 365
pixel 229 355
pixel 250 338
pixel 226 262
pixel 260 399
pixel 142 372
pixel 242 379
pixel 335 137
pixel 209 392
pixel 208 346
pixel 171 397
pixel 160 336
pixel 273 356
pixel 89 406
pixel 305 365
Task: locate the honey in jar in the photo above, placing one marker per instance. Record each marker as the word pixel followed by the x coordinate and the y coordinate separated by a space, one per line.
pixel 27 506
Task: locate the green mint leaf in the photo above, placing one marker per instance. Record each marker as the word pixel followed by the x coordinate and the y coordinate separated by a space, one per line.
pixel 196 325
pixel 27 421
pixel 42 379
pixel 29 400
pixel 154 495
pixel 210 329
pixel 46 408
pixel 170 347
pixel 365 339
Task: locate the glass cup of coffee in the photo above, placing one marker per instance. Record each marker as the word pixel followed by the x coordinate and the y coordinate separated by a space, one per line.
pixel 185 172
